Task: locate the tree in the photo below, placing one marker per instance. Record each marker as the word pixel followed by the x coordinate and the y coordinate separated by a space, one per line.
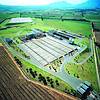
pixel 48 79
pixel 30 69
pixel 51 82
pixel 32 73
pixel 18 61
pixel 50 67
pixel 41 18
pixel 52 85
pixel 27 70
pixel 35 73
pixel 40 77
pixel 57 83
pixel 44 81
pixel 77 76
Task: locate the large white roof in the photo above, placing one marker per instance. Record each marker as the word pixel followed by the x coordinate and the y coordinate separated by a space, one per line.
pixel 20 20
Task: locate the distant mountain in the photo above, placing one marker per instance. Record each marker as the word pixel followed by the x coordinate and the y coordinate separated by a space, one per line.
pixel 60 5
pixel 9 8
pixel 90 4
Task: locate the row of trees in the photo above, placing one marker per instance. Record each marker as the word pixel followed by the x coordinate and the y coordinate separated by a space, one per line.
pixel 62 17
pixel 46 80
pixel 55 64
pixel 18 61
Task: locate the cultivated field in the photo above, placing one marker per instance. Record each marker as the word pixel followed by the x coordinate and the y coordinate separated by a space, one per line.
pixel 47 51
pixel 13 85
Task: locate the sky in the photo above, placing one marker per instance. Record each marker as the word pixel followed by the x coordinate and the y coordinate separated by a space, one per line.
pixel 38 2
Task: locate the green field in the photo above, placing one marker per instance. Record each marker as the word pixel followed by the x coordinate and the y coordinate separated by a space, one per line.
pixel 78 27
pixel 86 71
pixel 8 15
pixel 83 28
pixel 92 16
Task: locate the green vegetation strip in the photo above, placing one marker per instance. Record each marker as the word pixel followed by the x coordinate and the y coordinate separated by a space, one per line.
pixel 62 85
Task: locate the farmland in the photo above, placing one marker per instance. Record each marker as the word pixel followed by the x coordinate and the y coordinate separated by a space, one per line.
pixel 20 87
pixel 45 50
pixel 82 27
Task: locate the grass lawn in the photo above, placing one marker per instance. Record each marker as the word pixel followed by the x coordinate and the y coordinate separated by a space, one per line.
pixel 4 23
pixel 81 57
pixel 62 84
pixel 86 71
pixel 82 42
pixel 8 15
pixel 92 16
pixel 72 26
